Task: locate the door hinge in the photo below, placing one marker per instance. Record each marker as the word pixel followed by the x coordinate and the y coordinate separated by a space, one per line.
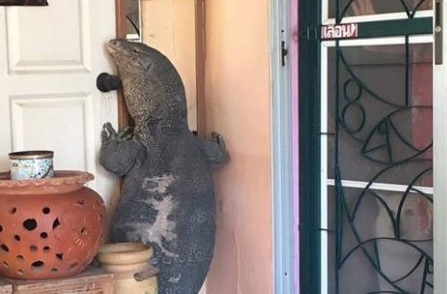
pixel 284 53
pixel 309 33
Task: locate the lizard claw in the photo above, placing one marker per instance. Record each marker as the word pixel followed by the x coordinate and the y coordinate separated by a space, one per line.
pixel 125 134
pixel 214 149
pixel 218 138
pixel 108 132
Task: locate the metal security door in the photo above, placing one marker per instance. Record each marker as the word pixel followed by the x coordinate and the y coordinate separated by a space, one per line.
pixel 375 209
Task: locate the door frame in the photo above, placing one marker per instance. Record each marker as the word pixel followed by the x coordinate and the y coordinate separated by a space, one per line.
pixel 284 81
pixel 309 147
pixel 121 33
pixel 440 166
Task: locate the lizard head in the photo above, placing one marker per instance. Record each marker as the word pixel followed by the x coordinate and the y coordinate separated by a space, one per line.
pixel 153 89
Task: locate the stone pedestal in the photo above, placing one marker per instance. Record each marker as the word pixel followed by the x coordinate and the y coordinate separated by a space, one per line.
pixel 91 281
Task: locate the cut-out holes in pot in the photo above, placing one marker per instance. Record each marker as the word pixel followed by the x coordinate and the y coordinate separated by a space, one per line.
pixel 4 248
pixel 30 224
pixel 56 223
pixel 37 265
pixel 73 266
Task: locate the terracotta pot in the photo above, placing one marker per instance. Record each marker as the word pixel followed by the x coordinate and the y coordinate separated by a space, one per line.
pixel 49 228
pixel 127 262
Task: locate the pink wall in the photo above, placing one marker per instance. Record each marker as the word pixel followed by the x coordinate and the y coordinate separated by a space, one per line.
pixel 237 91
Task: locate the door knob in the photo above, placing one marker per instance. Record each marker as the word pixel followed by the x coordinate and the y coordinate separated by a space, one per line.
pixel 106 82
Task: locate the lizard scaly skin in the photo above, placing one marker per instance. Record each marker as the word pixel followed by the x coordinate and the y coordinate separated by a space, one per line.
pixel 167 198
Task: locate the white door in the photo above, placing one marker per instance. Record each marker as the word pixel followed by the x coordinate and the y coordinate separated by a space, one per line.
pixel 49 59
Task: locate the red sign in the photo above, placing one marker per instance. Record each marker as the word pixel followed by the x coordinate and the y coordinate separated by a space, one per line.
pixel 340 31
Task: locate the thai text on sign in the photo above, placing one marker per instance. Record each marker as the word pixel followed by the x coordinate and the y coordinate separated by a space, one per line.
pixel 339 31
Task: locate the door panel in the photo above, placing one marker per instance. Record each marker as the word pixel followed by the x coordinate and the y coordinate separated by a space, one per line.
pixel 345 8
pixel 28 45
pixel 380 163
pixel 48 66
pixel 382 124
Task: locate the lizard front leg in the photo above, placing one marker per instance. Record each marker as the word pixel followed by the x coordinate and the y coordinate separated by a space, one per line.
pixel 119 151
